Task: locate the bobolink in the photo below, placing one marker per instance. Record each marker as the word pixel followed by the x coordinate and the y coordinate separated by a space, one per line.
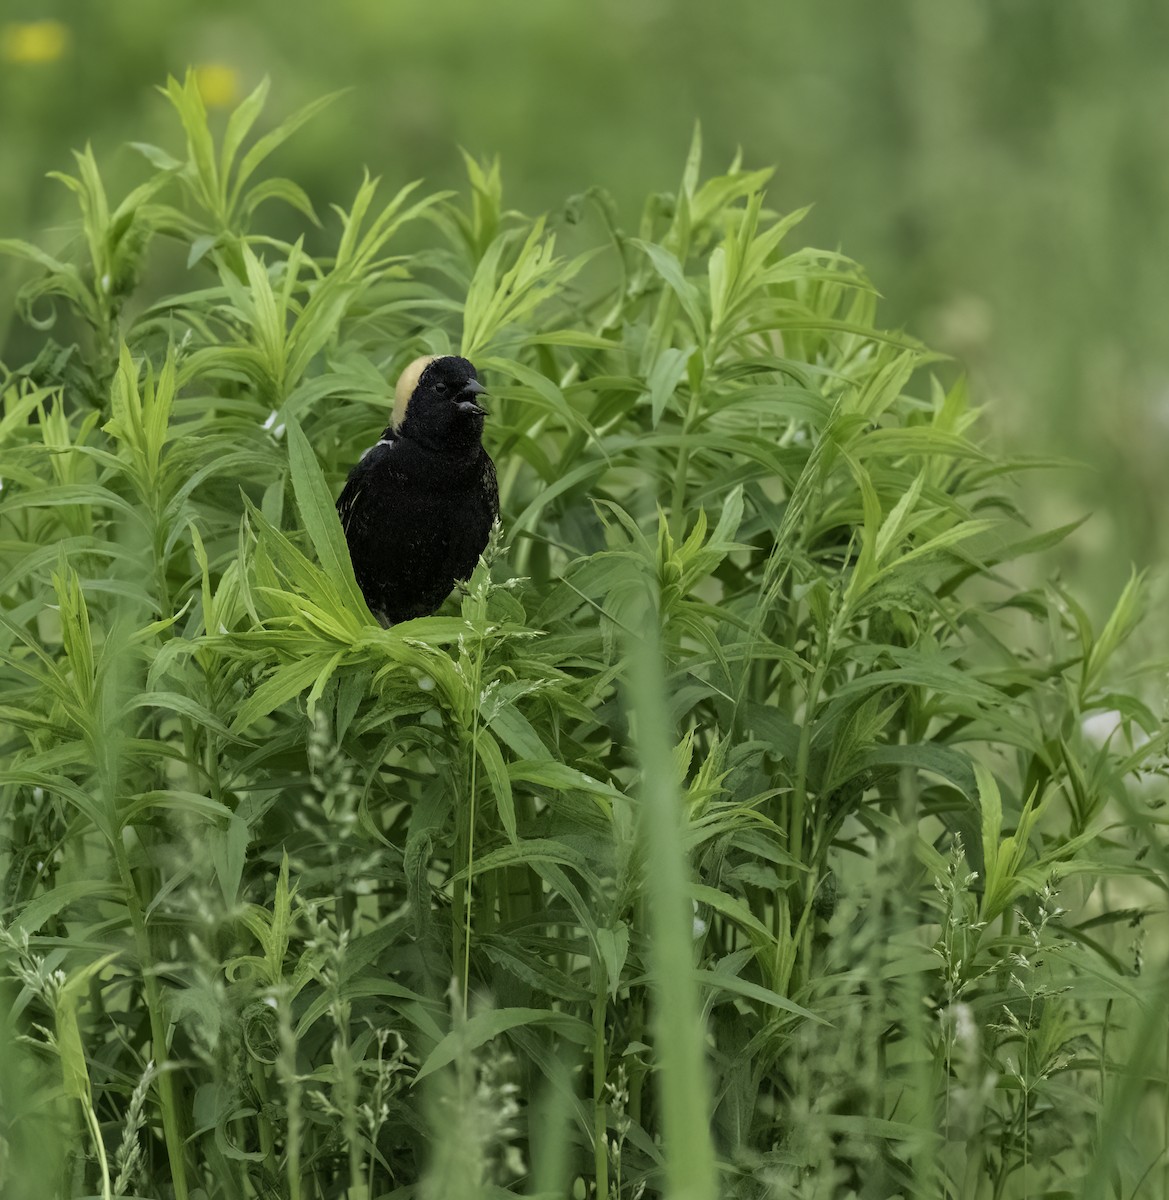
pixel 418 508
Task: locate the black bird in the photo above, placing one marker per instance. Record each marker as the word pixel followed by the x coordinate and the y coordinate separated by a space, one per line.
pixel 418 508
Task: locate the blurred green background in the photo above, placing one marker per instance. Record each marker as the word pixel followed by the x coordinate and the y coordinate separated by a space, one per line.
pixel 1001 167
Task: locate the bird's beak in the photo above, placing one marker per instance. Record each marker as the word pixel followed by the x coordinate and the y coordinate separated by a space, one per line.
pixel 467 397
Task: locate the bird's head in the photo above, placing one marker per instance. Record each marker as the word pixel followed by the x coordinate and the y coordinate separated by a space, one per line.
pixel 437 402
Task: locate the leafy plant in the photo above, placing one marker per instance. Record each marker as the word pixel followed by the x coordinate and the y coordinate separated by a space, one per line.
pixel 706 843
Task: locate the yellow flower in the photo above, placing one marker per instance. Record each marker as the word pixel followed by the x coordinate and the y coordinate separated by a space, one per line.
pixel 218 84
pixel 33 41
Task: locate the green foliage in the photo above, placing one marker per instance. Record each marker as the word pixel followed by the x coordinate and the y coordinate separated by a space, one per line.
pixel 706 843
pixel 1001 168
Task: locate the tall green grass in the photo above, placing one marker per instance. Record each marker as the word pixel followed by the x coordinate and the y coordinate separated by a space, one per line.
pixel 740 829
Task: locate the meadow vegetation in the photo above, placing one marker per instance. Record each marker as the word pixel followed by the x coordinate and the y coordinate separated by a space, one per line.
pixel 1001 169
pixel 741 829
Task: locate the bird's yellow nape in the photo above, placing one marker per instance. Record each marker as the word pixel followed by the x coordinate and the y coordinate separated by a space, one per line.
pixel 407 382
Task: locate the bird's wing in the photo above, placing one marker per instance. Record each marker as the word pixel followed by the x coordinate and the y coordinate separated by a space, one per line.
pixel 490 482
pixel 347 502
pixel 345 505
pixel 349 505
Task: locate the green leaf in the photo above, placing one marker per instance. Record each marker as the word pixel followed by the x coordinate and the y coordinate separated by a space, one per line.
pixel 614 947
pixel 156 156
pixel 319 513
pixel 70 1049
pixel 485 1026
pixel 667 372
pixel 734 910
pixel 36 912
pixel 228 849
pixel 516 732
pixel 560 776
pixel 280 189
pixel 271 141
pixel 670 269
pixel 489 755
pixel 285 682
pixel 722 981
pixel 991 806
pixel 238 125
pixel 951 765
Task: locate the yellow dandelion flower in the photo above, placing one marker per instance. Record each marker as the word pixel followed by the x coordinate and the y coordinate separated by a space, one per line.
pixel 218 84
pixel 33 41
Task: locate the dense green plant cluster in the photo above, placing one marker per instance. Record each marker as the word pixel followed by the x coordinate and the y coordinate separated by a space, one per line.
pixel 739 830
pixel 1001 168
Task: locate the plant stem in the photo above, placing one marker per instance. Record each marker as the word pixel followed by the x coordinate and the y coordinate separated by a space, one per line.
pixel 678 496
pixel 155 1007
pixel 600 1074
pixel 286 1073
pixel 797 814
pixel 476 687
pixel 99 1145
pixel 267 1138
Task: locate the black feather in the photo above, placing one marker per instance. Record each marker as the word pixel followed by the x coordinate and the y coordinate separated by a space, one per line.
pixel 418 508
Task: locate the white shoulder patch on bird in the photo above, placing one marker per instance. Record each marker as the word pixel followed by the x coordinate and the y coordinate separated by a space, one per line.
pixel 407 382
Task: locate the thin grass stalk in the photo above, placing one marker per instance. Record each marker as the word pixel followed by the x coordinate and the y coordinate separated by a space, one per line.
pixel 155 1007
pixel 683 1087
pixel 264 1122
pixel 1120 1108
pixel 600 1075
pixel 286 1073
pixel 473 713
pixel 793 968
pixel 98 1145
pixel 678 512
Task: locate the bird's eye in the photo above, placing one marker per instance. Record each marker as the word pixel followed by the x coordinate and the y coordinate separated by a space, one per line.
pixel 441 387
